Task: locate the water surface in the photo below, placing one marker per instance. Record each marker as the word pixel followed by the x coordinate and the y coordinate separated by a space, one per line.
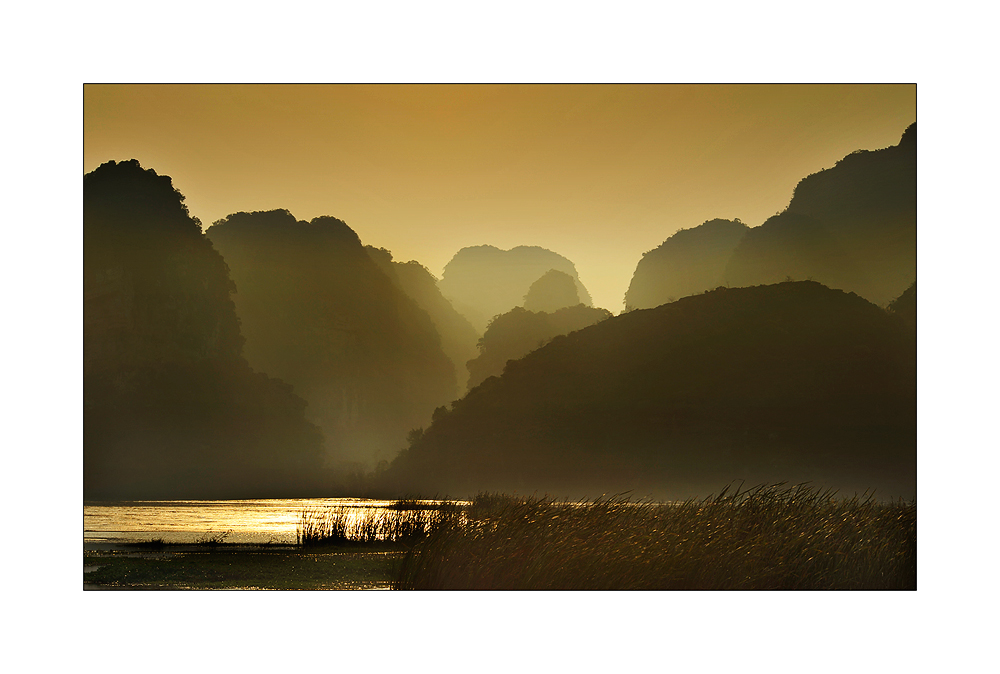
pixel 247 521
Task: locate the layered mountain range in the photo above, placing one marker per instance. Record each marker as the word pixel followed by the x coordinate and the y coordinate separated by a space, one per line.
pixel 458 337
pixel 852 226
pixel 171 407
pixel 269 355
pixel 787 382
pixel 484 281
pixel 518 332
pixel 320 313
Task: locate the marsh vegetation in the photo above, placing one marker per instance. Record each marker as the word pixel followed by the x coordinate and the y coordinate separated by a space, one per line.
pixel 765 538
pixel 404 522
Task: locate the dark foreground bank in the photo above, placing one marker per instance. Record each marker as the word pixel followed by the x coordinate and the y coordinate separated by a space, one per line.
pixel 237 567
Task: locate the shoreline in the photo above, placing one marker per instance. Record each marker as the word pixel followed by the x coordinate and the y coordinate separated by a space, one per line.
pixel 183 567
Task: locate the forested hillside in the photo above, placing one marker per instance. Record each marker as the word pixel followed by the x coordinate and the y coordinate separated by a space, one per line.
pixel 458 337
pixel 690 261
pixel 793 381
pixel 852 227
pixel 518 332
pixel 318 312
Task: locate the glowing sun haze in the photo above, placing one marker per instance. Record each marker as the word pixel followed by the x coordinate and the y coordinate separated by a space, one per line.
pixel 597 173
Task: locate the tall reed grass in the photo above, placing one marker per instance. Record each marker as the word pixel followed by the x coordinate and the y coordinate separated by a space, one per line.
pixel 403 521
pixel 768 538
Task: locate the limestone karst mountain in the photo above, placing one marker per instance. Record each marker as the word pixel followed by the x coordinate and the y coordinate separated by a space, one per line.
pixel 553 291
pixel 691 261
pixel 852 226
pixel 317 311
pixel 171 408
pixel 484 281
pixel 788 382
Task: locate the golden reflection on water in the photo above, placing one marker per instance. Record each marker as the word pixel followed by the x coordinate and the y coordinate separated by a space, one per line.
pixel 247 521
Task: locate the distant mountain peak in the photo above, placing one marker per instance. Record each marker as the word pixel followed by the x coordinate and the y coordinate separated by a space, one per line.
pixel 485 281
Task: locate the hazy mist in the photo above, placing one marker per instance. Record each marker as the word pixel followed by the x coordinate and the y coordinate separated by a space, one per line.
pixel 657 289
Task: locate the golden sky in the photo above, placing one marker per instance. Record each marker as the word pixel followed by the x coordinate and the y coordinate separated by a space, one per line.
pixel 597 173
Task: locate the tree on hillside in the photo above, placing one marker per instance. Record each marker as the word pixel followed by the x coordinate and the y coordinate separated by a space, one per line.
pixel 905 306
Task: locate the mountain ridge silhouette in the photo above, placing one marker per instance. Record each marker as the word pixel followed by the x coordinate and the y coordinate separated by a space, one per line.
pixel 171 407
pixel 793 381
pixel 513 335
pixel 458 337
pixel 852 226
pixel 320 313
